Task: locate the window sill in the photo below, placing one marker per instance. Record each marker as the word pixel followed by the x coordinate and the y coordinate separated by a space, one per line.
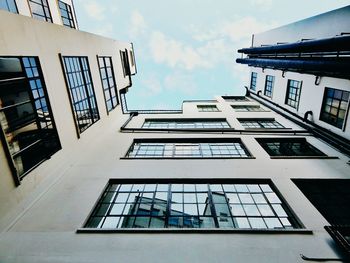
pixel 185 158
pixel 193 230
pixel 304 157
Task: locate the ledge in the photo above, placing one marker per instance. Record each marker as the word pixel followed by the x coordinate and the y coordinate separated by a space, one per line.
pixel 185 158
pixel 304 157
pixel 192 231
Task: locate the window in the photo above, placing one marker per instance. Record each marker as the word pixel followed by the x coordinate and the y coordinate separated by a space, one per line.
pixel 260 124
pixel 293 93
pixel 40 10
pixel 269 85
pixel 253 78
pixel 185 124
pixel 289 147
pixel 341 235
pixel 187 148
pixel 125 62
pixel 334 106
pixel 28 128
pixel 207 108
pixel 66 14
pixel 233 204
pixel 82 95
pixel 247 108
pixel 9 5
pixel 235 98
pixel 108 82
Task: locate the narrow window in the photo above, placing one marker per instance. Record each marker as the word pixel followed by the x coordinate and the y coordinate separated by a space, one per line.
pixel 253 78
pixel 66 14
pixel 334 106
pixel 40 10
pixel 235 98
pixel 269 81
pixel 9 5
pixel 185 124
pixel 125 62
pixel 253 108
pixel 81 91
pixel 30 135
pixel 207 108
pixel 285 147
pixel 260 124
pixel 293 93
pixel 230 148
pixel 108 82
pixel 231 204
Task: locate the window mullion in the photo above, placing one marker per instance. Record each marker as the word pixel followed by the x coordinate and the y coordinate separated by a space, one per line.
pixel 212 208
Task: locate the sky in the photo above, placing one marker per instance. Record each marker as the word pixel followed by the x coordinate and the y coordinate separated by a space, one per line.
pixel 186 49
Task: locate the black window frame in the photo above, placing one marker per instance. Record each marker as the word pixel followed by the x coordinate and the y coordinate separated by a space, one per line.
pixel 165 146
pixel 245 186
pixel 208 108
pixel 328 117
pixel 10 6
pixel 173 123
pixel 107 86
pixel 248 108
pixel 66 8
pixel 269 84
pixel 293 93
pixel 47 138
pixel 235 98
pixel 125 62
pixel 46 12
pixel 288 148
pixel 253 80
pixel 260 122
pixel 91 95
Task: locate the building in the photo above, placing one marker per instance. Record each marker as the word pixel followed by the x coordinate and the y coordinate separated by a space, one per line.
pixel 85 179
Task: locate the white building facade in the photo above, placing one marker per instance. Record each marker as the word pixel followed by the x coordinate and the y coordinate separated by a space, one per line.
pixel 84 179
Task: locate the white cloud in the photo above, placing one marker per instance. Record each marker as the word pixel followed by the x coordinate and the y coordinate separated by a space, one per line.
pixel 175 53
pixel 180 82
pixel 138 24
pixel 104 30
pixel 94 10
pixel 265 5
pixel 152 84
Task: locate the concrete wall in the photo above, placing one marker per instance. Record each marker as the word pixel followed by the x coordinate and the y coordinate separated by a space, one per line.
pixel 324 25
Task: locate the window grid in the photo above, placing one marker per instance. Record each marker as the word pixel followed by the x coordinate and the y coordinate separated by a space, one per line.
pixel 261 124
pixel 9 5
pixel 334 107
pixel 207 108
pixel 40 9
pixel 289 147
pixel 187 150
pixel 66 14
pixel 253 78
pixel 293 93
pixel 181 124
pixel 247 108
pixel 235 99
pixel 230 206
pixel 81 91
pixel 108 82
pixel 269 85
pixel 125 62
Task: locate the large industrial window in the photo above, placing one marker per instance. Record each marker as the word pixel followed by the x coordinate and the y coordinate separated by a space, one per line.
pixel 269 81
pixel 81 90
pixel 9 5
pixel 28 133
pixel 334 106
pixel 285 147
pixel 66 14
pixel 230 204
pixel 189 148
pixel 207 108
pixel 125 62
pixel 40 10
pixel 253 78
pixel 235 98
pixel 185 124
pixel 247 108
pixel 260 124
pixel 293 93
pixel 108 82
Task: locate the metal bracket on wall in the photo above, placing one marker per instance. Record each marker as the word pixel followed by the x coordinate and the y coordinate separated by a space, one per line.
pixel 283 73
pixel 317 80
